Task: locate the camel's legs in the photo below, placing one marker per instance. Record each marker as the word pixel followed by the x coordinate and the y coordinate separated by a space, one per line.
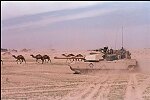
pixel 37 60
pixel 17 61
pixel 42 61
pixel 66 60
pixel 49 60
pixel 71 60
pixel 20 61
pixel 46 60
pixel 25 61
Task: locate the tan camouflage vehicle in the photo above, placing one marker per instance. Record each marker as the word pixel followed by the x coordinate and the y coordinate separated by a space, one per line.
pixel 105 60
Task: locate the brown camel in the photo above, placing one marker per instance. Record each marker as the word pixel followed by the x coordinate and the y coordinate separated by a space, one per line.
pixel 37 57
pixel 79 55
pixel 69 55
pixel 46 57
pixel 19 58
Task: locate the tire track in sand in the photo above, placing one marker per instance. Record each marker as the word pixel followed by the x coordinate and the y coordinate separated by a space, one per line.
pixel 89 91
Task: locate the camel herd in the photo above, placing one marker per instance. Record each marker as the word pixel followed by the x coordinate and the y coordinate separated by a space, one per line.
pixel 44 58
pixel 74 57
pixel 37 57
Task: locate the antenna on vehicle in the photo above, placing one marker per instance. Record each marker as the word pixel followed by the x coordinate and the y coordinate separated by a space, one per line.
pixel 116 41
pixel 122 36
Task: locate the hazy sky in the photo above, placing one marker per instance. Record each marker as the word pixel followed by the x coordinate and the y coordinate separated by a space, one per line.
pixel 74 25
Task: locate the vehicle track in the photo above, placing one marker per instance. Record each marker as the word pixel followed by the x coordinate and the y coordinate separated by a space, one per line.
pixel 113 87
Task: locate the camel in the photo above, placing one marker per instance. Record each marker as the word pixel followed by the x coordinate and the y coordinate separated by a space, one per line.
pixel 38 57
pixel 19 58
pixel 79 55
pixel 46 57
pixel 69 55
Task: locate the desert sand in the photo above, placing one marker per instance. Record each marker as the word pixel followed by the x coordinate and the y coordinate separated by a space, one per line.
pixel 55 81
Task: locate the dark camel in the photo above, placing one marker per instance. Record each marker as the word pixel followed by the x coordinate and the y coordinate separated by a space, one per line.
pixel 46 57
pixel 69 55
pixel 19 58
pixel 79 55
pixel 37 57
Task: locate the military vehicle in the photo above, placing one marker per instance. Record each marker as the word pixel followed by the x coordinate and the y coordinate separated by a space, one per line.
pixel 104 59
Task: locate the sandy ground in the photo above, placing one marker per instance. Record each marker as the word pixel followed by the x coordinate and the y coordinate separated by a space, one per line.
pixel 55 81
